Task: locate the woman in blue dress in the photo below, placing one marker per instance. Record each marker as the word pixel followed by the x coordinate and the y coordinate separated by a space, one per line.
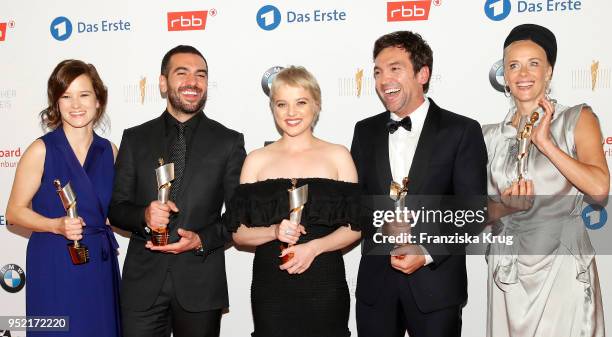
pixel 71 152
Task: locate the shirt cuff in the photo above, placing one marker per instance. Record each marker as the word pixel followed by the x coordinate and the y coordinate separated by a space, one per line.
pixel 428 258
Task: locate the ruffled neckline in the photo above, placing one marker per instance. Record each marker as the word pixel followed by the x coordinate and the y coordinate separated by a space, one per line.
pixel 331 203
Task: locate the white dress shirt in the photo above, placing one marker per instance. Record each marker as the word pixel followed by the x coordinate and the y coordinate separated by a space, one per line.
pixel 402 146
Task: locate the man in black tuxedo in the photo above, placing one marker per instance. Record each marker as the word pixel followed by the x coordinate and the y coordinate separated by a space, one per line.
pixel 442 153
pixel 180 287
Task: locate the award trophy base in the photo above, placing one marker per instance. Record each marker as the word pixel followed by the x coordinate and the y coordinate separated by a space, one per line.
pixel 159 236
pixel 287 257
pixel 79 254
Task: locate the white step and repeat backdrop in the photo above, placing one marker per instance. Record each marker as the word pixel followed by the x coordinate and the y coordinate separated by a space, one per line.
pixel 242 41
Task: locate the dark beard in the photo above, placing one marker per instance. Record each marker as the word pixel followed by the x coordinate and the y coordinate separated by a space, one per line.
pixel 175 101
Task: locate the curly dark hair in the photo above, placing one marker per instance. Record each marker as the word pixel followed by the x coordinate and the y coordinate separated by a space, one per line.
pixel 418 50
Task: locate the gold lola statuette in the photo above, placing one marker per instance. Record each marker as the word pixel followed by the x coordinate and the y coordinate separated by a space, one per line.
pixel 165 175
pixel 594 72
pixel 524 142
pixel 297 199
pixel 79 254
pixel 398 193
pixel 142 85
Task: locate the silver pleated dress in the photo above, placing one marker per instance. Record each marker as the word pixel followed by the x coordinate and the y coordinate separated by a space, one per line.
pixel 546 283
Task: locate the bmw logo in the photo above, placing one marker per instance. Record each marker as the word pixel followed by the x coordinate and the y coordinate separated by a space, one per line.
pixel 268 76
pixel 13 278
pixel 496 76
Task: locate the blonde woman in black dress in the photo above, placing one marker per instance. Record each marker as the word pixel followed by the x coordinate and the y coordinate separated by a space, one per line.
pixel 307 295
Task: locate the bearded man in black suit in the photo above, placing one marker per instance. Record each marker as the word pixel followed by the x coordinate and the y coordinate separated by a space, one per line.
pixel 180 287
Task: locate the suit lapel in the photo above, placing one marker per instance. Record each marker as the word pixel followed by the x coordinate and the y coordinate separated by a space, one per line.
pixel 381 148
pixel 157 144
pixel 424 150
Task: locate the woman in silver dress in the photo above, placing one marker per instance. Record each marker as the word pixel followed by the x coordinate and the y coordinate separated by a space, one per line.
pixel 546 283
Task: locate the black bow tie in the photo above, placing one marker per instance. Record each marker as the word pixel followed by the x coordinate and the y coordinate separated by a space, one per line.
pixel 406 123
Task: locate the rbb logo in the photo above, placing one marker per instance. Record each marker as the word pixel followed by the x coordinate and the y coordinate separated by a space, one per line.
pixel 2 31
pixel 497 10
pixel 4 27
pixel 195 20
pixel 408 10
pixel 594 216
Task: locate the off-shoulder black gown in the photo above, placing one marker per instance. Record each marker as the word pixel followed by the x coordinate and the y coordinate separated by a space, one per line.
pixel 316 302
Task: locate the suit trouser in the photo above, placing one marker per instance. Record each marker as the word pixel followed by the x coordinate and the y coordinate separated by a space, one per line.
pixel 396 312
pixel 167 315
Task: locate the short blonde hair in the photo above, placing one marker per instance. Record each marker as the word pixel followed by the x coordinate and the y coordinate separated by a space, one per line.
pixel 296 76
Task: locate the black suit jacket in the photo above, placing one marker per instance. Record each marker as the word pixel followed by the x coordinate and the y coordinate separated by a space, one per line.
pixel 450 159
pixel 212 172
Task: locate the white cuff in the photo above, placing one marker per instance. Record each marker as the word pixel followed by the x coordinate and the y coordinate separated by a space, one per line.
pixel 428 258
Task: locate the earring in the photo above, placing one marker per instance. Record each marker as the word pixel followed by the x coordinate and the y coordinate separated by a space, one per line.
pixel 507 91
pixel 547 90
pixel 552 100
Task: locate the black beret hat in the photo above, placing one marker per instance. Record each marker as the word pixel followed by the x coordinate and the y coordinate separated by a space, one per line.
pixel 542 36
